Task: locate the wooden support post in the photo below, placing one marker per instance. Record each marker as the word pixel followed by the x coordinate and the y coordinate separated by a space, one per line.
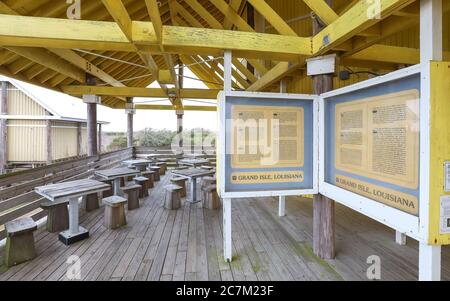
pixel 282 199
pixel 4 129
pixel 180 115
pixel 91 102
pixel 431 41
pixel 79 139
pixel 323 216
pixel 429 262
pixel 227 242
pixel 99 138
pixel 400 238
pixel 49 142
pixel 130 130
pixel 282 206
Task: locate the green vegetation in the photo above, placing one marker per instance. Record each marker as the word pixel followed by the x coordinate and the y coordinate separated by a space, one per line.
pixel 161 138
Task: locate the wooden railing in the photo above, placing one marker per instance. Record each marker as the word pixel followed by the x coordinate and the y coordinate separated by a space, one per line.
pixel 169 154
pixel 17 196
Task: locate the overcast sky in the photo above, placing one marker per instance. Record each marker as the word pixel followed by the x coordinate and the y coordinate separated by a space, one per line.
pixel 160 119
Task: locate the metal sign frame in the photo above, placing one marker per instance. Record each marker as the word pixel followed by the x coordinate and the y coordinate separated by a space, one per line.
pixel 393 218
pixel 222 99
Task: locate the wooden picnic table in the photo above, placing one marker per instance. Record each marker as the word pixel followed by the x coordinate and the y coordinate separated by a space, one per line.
pixel 115 174
pixel 194 162
pixel 192 174
pixel 71 191
pixel 139 164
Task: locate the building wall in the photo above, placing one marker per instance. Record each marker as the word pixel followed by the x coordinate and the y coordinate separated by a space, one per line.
pixel 20 104
pixel 27 139
pixel 65 140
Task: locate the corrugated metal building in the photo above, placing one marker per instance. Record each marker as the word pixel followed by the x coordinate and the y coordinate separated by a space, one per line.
pixel 43 125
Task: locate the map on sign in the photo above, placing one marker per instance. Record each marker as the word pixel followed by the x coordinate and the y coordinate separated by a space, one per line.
pixel 374 146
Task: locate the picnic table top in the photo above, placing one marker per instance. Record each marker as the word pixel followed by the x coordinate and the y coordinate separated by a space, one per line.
pixel 62 191
pixel 195 156
pixel 137 162
pixel 192 172
pixel 114 173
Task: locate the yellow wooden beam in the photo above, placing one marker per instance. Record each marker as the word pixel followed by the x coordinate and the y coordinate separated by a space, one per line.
pixel 274 75
pixel 155 17
pixel 71 56
pixel 120 14
pixel 354 21
pixel 235 5
pixel 272 17
pixel 172 108
pixel 50 60
pixel 139 92
pixel 243 44
pixel 391 54
pixel 322 10
pixel 94 35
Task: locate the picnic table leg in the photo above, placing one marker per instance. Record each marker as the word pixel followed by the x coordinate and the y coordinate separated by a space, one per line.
pixel 194 190
pixel 117 186
pixel 73 216
pixel 75 232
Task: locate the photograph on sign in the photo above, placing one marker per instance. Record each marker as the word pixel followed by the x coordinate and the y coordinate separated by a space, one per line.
pixel 269 143
pixel 372 143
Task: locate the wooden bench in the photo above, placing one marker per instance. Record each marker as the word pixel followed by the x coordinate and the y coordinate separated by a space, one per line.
pixel 180 181
pixel 156 175
pixel 211 198
pixel 132 191
pixel 206 181
pixel 173 199
pixel 20 241
pixel 91 202
pixel 57 216
pixel 143 182
pixel 115 212
pixel 150 175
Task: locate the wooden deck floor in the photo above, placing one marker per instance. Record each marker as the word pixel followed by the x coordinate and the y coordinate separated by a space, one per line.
pixel 158 244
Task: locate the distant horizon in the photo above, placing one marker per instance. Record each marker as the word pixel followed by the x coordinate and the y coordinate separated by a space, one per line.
pixel 160 119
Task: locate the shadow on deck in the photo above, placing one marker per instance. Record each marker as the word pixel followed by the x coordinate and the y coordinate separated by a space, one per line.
pixel 186 244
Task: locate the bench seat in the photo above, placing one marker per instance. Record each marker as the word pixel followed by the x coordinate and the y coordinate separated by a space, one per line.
pixel 20 241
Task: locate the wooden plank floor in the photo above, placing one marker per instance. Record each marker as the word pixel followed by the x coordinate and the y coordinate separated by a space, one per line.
pixel 186 244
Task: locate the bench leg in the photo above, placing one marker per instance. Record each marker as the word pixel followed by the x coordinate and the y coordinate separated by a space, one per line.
pixel 133 200
pixel 150 183
pixel 92 202
pixel 19 249
pixel 115 217
pixel 58 219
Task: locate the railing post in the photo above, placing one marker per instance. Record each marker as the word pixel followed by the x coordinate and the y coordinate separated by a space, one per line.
pixel 4 128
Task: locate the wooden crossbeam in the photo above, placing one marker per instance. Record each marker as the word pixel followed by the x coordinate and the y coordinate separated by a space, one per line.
pixel 140 92
pixel 71 56
pixel 354 21
pixel 322 10
pixel 272 17
pixel 172 108
pixel 94 35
